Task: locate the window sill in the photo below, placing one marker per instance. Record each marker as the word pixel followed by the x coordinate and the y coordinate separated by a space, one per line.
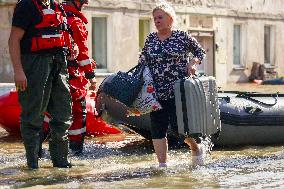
pixel 239 68
pixel 269 66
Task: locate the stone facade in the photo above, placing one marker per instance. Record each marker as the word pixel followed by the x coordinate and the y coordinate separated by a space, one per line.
pixel 210 21
pixel 6 13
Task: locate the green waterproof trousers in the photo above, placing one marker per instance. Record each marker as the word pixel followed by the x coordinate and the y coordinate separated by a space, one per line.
pixel 47 91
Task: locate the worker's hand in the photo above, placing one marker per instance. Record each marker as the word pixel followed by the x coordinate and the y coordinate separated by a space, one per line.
pixel 93 83
pixel 191 67
pixel 20 80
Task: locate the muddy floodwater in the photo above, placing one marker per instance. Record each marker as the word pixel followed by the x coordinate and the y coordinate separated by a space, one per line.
pixel 130 163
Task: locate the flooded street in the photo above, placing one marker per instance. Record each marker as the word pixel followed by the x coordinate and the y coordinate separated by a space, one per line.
pixel 131 164
pixel 205 69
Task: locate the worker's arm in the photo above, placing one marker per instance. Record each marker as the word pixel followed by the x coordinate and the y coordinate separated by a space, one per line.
pixel 15 53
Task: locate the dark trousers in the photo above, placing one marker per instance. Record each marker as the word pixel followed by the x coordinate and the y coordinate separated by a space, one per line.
pixel 47 91
pixel 162 119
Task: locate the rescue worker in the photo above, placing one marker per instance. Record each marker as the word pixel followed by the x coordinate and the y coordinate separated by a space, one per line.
pixel 81 71
pixel 37 47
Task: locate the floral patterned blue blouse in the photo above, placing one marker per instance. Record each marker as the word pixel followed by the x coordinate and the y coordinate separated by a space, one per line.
pixel 168 59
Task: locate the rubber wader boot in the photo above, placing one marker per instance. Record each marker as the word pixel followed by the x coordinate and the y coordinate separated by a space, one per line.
pixel 40 150
pixel 59 152
pixel 76 147
pixel 32 156
pixel 44 135
pixel 31 143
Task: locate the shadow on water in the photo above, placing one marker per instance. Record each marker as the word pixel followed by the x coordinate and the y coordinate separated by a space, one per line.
pixel 97 151
pixel 11 139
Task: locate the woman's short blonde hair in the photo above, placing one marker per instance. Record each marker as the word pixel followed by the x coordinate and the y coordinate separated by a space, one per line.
pixel 168 9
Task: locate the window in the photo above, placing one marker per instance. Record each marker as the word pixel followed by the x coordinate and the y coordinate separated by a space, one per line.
pixel 237 45
pixel 144 30
pixel 268 45
pixel 99 41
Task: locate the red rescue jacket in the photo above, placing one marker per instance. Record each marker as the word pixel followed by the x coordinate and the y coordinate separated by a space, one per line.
pixel 52 31
pixel 83 67
pixel 76 21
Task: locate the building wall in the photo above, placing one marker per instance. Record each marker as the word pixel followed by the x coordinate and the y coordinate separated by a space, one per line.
pixel 122 34
pixel 205 16
pixel 6 72
pixel 218 16
pixel 253 47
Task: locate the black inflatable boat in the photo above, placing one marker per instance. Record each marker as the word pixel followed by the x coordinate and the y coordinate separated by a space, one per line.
pixel 246 118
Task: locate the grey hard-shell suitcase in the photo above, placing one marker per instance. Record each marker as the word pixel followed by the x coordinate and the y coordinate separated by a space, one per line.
pixel 197 107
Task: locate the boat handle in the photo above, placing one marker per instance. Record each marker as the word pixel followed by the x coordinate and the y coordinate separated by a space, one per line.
pixel 252 110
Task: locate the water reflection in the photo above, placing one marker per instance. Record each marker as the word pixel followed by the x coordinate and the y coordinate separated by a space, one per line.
pixel 132 164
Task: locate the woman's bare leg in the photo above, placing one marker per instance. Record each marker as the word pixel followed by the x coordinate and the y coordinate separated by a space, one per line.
pixel 161 149
pixel 197 157
pixel 195 148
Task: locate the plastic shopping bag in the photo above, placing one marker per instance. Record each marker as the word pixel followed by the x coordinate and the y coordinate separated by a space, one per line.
pixel 146 101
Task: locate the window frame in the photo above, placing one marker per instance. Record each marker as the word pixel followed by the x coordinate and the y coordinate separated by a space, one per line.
pixel 105 69
pixel 145 36
pixel 242 46
pixel 272 37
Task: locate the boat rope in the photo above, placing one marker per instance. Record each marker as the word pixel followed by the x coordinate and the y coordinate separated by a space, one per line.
pixel 250 95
